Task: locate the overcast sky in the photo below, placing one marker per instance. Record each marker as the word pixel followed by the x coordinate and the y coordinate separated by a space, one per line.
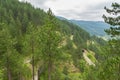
pixel 75 9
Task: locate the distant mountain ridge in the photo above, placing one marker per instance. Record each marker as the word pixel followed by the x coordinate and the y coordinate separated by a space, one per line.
pixel 93 27
pixel 61 18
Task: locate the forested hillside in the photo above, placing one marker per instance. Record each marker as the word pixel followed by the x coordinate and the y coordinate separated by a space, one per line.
pixel 35 45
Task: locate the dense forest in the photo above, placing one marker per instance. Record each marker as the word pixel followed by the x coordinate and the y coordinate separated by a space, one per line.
pixel 36 45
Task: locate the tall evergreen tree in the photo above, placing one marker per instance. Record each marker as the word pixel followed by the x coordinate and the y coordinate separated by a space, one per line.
pixel 50 39
pixel 8 54
pixel 113 20
pixel 31 46
pixel 113 60
pixel 114 31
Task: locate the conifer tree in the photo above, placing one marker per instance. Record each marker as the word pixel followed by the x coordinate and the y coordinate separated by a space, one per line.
pixel 31 47
pixel 50 39
pixel 113 20
pixel 114 31
pixel 113 61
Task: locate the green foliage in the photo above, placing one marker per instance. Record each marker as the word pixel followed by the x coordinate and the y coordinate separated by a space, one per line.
pixel 31 38
pixel 109 66
pixel 114 42
pixel 114 21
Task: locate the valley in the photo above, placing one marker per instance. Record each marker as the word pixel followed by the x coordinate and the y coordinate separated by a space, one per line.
pixel 36 44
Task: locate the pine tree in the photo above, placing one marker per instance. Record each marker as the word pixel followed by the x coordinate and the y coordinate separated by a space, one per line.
pixel 50 39
pixel 31 46
pixel 114 31
pixel 112 65
pixel 113 20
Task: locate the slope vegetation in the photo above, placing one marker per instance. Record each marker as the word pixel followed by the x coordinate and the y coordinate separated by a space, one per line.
pixel 27 34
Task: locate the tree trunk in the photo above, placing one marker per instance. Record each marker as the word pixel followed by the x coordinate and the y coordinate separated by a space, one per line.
pixel 33 69
pixel 49 69
pixel 40 71
pixel 38 74
pixel 8 70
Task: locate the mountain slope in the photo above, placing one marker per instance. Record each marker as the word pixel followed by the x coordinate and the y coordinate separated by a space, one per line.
pixel 23 22
pixel 93 27
pixel 24 41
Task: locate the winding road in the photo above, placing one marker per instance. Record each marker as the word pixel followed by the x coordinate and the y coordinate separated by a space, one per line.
pixel 86 58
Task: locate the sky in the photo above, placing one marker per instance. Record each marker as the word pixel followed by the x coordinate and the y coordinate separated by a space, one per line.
pixel 89 10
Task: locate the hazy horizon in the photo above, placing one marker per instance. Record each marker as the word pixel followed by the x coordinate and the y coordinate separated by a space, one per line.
pixel 88 10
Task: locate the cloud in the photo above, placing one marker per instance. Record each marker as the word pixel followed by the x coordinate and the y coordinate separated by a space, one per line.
pixel 84 15
pixel 91 11
pixel 75 9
